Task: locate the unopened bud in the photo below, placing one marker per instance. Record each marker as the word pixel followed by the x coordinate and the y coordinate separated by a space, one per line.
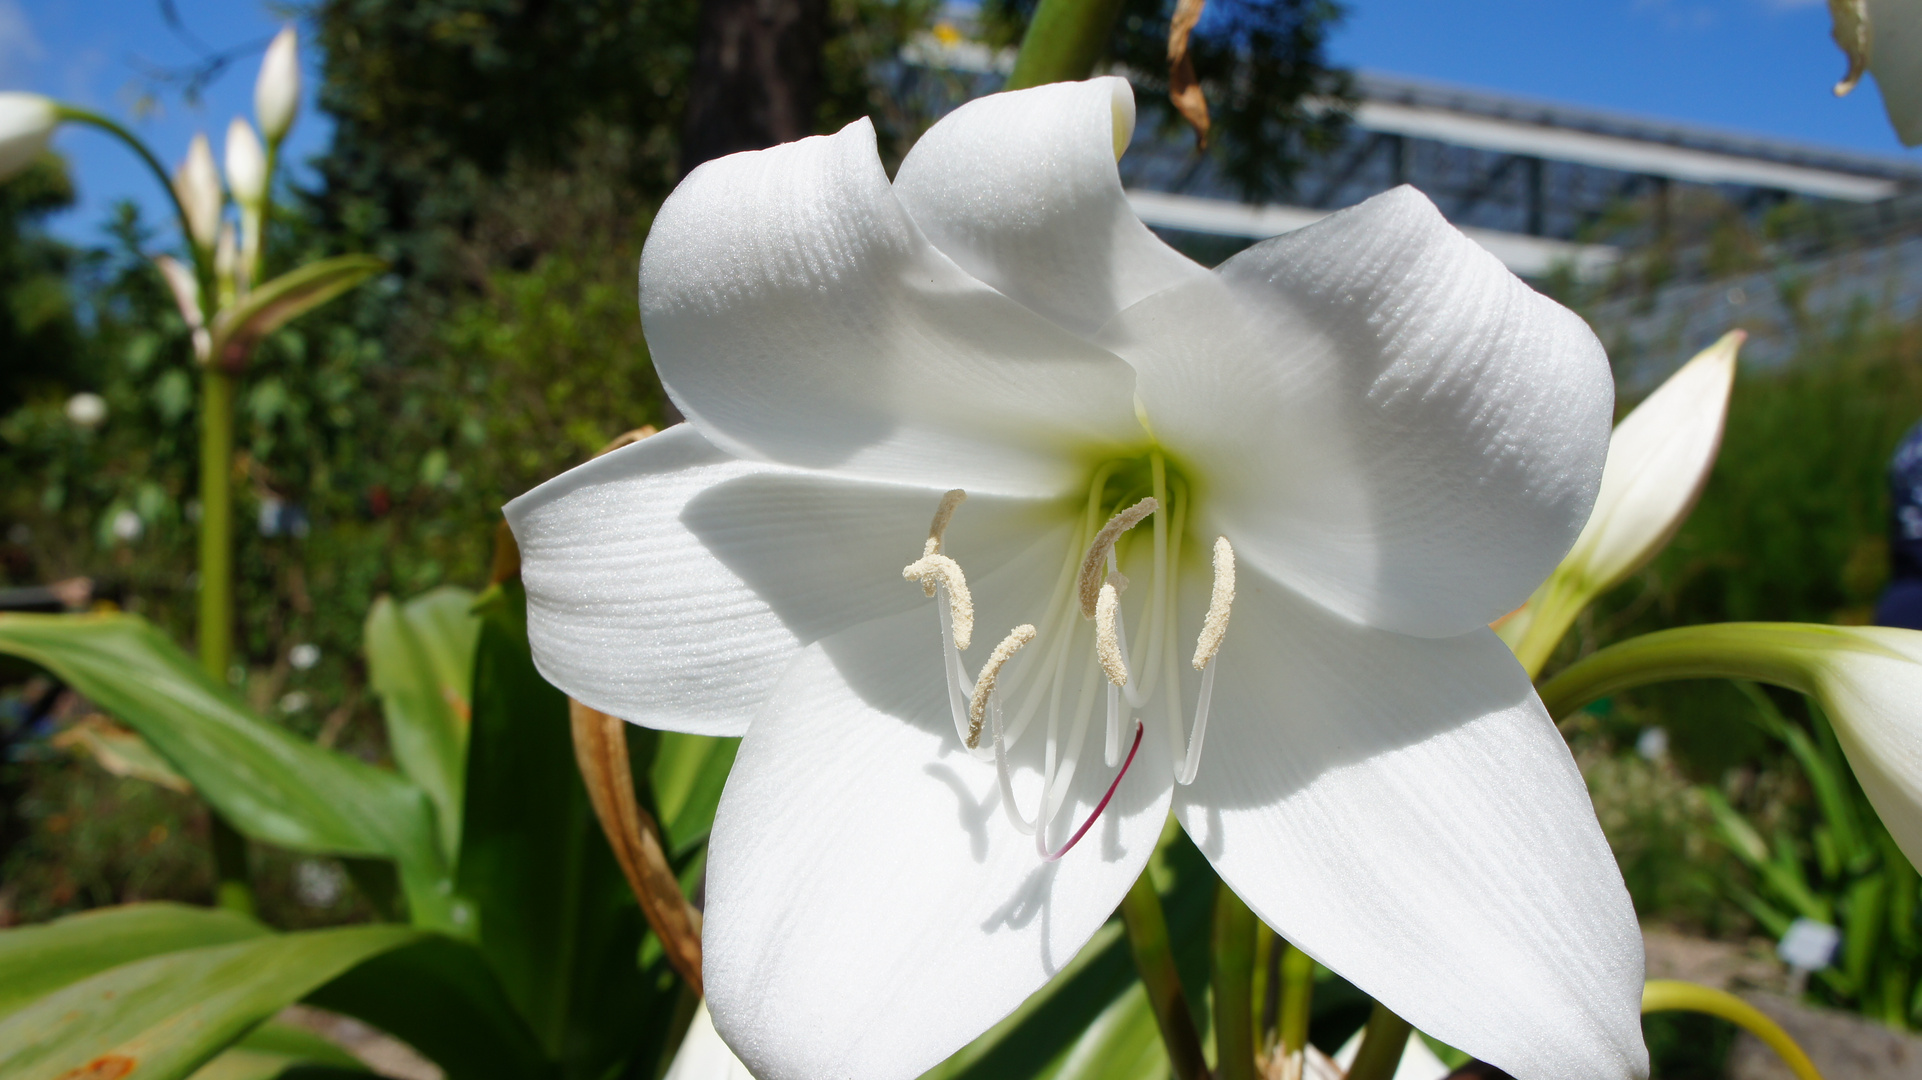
pixel 277 91
pixel 246 164
pixel 198 185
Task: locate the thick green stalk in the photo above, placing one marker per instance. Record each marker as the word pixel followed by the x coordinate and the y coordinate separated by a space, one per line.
pixel 234 889
pixel 1148 938
pixel 1382 1045
pixel 1777 653
pixel 1232 973
pixel 1065 39
pixel 1297 998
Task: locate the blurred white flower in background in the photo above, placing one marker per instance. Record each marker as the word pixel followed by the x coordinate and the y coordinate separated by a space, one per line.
pixel 304 656
pixel 87 410
pixel 127 526
pixel 277 90
pixel 26 125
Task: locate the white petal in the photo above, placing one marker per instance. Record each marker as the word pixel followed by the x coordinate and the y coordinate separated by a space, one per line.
pixel 1895 59
pixel 870 911
pixel 1658 459
pixel 797 315
pixel 1873 694
pixel 1021 189
pixel 703 1056
pixel 1380 414
pixel 670 584
pixel 1403 810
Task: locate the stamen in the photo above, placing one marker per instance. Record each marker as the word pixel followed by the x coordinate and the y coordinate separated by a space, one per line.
pixel 1192 763
pixel 939 527
pixel 1215 626
pixel 1103 804
pixel 1091 564
pixel 937 569
pixel 984 685
pixel 1107 647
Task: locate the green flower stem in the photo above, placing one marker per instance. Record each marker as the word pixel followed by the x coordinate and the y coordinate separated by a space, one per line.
pixel 1297 998
pixel 1777 653
pixel 1064 41
pixel 234 889
pixel 1382 1043
pixel 1232 973
pixel 1663 995
pixel 1148 938
pixel 203 265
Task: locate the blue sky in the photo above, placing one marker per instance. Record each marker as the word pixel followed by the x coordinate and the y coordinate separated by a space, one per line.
pixel 1761 66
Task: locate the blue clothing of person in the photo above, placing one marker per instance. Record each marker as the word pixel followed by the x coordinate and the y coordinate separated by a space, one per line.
pixel 1902 603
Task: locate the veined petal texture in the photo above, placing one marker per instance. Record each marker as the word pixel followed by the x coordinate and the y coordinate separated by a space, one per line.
pixel 1022 191
pixel 796 314
pixel 1404 811
pixel 870 909
pixel 1382 416
pixel 670 584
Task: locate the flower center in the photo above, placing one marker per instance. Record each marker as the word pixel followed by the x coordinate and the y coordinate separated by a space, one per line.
pixel 1082 640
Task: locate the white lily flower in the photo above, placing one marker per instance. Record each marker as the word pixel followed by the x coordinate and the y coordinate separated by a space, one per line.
pixel 26 126
pixel 703 1056
pixel 197 182
pixel 1659 459
pixel 246 164
pixel 1378 437
pixel 277 89
pixel 1884 37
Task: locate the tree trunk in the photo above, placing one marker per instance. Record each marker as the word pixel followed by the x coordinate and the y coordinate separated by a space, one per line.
pixel 757 69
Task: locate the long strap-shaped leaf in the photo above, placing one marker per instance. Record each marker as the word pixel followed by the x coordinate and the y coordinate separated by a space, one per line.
pixel 272 304
pixel 273 786
pixel 163 1017
pixel 37 960
pixel 420 660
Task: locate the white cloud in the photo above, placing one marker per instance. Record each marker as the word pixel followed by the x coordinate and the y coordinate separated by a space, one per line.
pixel 19 48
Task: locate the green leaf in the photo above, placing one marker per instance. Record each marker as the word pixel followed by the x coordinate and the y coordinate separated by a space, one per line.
pixel 687 776
pixel 420 661
pixel 439 996
pixel 165 1016
pixel 557 921
pixel 273 304
pixel 37 960
pixel 1123 1043
pixel 272 786
pixel 269 1050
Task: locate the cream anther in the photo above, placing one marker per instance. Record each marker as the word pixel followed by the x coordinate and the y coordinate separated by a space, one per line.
pixel 932 570
pixel 1107 643
pixel 938 528
pixel 984 685
pixel 1091 564
pixel 1215 626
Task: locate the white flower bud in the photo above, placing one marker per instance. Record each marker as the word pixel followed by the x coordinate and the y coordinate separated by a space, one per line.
pixel 26 124
pixel 246 164
pixel 198 185
pixel 277 92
